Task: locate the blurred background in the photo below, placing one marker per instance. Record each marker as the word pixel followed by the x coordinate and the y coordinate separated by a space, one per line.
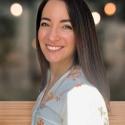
pixel 19 66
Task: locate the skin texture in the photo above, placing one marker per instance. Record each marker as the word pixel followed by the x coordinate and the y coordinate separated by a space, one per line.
pixel 56 37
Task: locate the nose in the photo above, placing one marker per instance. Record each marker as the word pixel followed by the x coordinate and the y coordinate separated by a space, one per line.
pixel 53 35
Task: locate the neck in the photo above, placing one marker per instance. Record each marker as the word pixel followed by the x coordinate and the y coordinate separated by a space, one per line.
pixel 57 70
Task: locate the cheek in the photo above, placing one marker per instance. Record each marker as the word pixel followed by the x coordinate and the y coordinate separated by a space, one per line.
pixel 41 35
pixel 71 40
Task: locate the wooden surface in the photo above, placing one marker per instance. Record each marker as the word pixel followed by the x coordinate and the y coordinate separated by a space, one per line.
pixel 15 112
pixel 117 114
pixel 19 112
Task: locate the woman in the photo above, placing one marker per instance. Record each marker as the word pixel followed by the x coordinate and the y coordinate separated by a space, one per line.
pixel 74 88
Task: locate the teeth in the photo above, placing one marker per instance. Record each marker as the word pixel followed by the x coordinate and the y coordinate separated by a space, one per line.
pixel 54 48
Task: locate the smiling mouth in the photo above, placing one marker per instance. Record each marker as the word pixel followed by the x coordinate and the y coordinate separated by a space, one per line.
pixel 54 48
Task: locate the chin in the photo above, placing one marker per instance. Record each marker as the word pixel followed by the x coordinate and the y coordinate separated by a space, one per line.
pixel 54 60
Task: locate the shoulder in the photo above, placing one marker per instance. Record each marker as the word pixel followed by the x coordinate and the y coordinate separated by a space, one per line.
pixel 76 83
pixel 82 87
pixel 86 92
pixel 88 102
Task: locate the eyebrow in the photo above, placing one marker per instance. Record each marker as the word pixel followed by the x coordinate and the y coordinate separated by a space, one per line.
pixel 65 20
pixel 45 18
pixel 62 21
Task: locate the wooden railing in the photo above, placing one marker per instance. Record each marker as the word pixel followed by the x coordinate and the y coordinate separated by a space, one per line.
pixel 19 112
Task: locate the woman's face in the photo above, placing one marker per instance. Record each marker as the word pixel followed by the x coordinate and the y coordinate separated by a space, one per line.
pixel 55 34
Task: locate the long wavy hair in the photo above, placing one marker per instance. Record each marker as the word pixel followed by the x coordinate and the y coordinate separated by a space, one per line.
pixel 87 53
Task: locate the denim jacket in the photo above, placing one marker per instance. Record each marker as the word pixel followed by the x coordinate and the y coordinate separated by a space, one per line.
pixel 71 101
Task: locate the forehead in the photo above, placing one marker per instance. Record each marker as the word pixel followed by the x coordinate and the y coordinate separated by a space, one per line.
pixel 55 9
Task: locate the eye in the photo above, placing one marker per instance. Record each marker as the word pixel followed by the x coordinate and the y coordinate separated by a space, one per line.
pixel 44 24
pixel 67 26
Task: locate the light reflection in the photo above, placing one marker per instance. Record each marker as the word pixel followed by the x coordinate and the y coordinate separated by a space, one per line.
pixel 97 17
pixel 110 9
pixel 16 9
